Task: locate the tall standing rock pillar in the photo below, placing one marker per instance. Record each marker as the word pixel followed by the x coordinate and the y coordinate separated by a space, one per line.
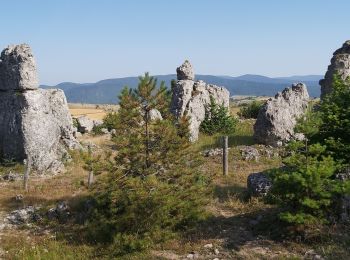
pixel 191 98
pixel 35 122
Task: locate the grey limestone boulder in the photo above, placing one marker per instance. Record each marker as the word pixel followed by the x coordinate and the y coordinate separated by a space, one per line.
pixel 278 117
pixel 340 65
pixel 249 153
pixel 85 124
pixel 154 114
pixel 17 68
pixel 191 98
pixel 258 184
pixel 35 123
pixel 21 216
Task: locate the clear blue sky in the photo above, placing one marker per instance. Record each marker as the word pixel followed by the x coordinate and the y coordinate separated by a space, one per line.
pixel 90 40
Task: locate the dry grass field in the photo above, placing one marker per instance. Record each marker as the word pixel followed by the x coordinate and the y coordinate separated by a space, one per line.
pixel 91 110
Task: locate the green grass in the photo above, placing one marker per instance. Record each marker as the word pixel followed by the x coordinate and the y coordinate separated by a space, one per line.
pixel 242 136
pixel 9 165
pixel 21 248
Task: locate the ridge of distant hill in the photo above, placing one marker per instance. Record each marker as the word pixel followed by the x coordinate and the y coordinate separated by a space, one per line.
pixel 107 91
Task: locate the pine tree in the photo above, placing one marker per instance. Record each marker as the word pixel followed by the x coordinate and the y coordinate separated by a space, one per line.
pixel 155 188
pixel 217 120
pixel 335 126
pixel 304 189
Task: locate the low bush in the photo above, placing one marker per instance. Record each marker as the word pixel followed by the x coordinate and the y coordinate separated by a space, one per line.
pixel 217 120
pixel 304 189
pixel 250 110
pixel 110 121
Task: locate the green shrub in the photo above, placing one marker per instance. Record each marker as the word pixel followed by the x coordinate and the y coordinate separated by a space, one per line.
pixel 217 120
pixel 304 189
pixel 97 129
pixel 334 130
pixel 110 121
pixel 75 123
pixel 250 110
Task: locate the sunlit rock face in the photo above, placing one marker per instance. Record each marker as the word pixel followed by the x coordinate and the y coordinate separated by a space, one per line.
pixel 340 65
pixel 35 123
pixel 191 98
pixel 277 118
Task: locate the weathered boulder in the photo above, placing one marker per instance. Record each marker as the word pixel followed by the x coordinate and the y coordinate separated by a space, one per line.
pixel 17 68
pixel 11 176
pixel 249 153
pixel 21 216
pixel 185 71
pixel 340 64
pixel 213 152
pixel 85 124
pixel 258 184
pixel 277 118
pixel 191 98
pixel 154 114
pixel 97 122
pixel 104 131
pixel 35 123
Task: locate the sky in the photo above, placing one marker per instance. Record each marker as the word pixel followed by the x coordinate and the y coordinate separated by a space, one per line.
pixel 90 40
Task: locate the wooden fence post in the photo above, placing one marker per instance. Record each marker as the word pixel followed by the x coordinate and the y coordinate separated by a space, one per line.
pixel 90 179
pixel 26 174
pixel 225 155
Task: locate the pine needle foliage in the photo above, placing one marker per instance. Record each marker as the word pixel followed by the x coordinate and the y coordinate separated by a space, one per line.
pixel 217 120
pixel 335 127
pixel 304 188
pixel 154 191
pixel 250 110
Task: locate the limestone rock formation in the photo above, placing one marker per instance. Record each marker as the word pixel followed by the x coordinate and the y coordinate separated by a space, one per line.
pixel 85 124
pixel 249 153
pixel 185 71
pixel 340 64
pixel 35 123
pixel 191 98
pixel 277 118
pixel 17 68
pixel 154 114
pixel 258 184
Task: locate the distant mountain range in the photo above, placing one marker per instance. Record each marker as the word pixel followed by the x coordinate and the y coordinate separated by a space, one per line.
pixel 107 91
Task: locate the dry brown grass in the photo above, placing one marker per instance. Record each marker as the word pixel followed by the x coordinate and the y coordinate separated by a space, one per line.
pixel 234 110
pixel 92 113
pixel 45 190
pixel 97 112
pixel 101 140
